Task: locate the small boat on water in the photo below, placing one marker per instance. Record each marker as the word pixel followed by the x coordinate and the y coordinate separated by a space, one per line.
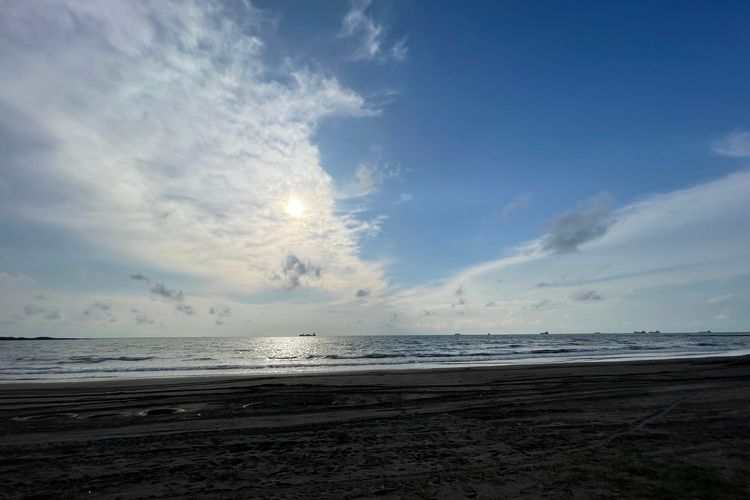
pixel 642 331
pixel 705 331
pixel 544 333
pixel 654 331
pixel 307 334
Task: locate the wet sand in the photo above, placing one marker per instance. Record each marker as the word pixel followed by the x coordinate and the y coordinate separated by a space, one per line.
pixel 660 429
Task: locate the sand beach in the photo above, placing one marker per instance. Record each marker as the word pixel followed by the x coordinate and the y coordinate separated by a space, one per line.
pixel 645 429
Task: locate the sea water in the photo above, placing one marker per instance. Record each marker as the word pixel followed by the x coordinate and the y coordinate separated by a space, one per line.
pixel 87 359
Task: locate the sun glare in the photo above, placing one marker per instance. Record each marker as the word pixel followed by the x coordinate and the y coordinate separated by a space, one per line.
pixel 294 208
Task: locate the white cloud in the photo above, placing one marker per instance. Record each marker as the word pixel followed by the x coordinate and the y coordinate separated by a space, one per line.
pixel 170 142
pixel 400 51
pixel 514 205
pixel 404 198
pixel 668 262
pixel 370 35
pixel 367 178
pixel 736 144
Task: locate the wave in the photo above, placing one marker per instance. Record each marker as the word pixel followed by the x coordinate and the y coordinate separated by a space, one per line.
pixel 378 355
pixel 98 359
pixel 196 368
pixel 149 358
pixel 556 351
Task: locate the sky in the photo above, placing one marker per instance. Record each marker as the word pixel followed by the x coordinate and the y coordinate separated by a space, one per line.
pixel 358 167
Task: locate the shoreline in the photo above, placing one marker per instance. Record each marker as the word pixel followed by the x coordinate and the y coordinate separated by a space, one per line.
pixel 348 370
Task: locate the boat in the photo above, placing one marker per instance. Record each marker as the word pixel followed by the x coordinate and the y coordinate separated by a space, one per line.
pixel 307 334
pixel 654 331
pixel 642 331
pixel 705 331
pixel 456 334
pixel 544 333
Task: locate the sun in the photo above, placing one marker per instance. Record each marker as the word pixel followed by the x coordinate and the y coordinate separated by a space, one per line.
pixel 295 208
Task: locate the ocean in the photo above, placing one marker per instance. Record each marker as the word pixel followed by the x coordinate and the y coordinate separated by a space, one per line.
pixel 96 359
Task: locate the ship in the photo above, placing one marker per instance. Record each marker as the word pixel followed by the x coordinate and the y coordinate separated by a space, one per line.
pixel 307 334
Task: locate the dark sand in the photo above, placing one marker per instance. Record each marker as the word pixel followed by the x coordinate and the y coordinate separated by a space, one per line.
pixel 660 429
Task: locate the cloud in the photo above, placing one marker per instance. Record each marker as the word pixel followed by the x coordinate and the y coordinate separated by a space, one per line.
pixel 586 296
pixel 100 311
pixel 53 315
pixel 185 309
pixel 295 273
pixel 404 198
pixel 160 290
pixel 664 261
pixel 32 310
pixel 588 221
pixel 541 305
pixel 162 134
pixel 141 318
pixel 459 292
pixel 48 314
pixel 720 298
pixel 362 292
pixel 514 205
pixel 367 179
pixel 734 145
pixel 400 51
pixel 370 35
pixel 140 277
pixel 222 314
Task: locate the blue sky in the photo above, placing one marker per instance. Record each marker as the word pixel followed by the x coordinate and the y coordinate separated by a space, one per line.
pixel 358 167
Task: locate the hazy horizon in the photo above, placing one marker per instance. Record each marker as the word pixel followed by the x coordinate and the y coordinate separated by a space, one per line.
pixel 354 167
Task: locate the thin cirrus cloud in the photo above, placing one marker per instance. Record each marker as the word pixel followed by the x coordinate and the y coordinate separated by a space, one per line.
pixel 367 179
pixel 189 166
pixel 370 35
pixel 736 144
pixel 514 205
